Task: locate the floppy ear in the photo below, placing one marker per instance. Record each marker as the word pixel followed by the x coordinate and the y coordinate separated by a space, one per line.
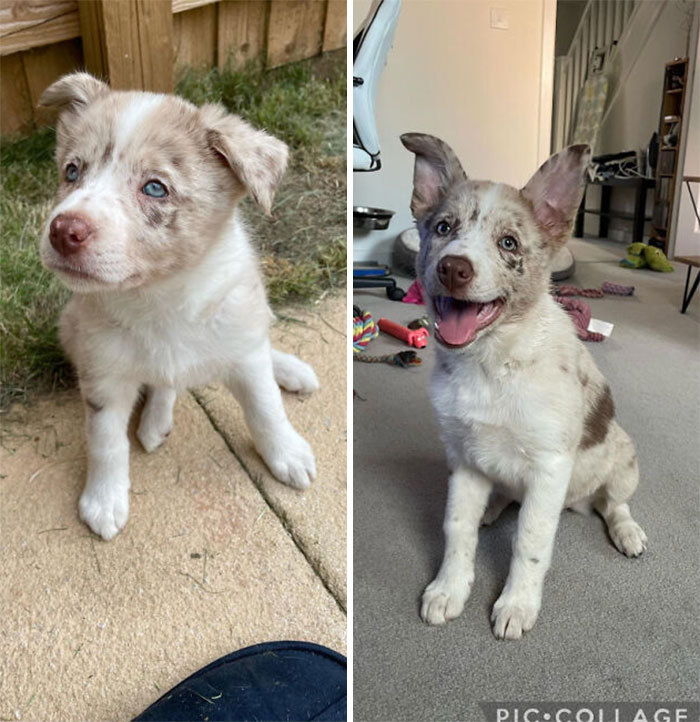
pixel 73 90
pixel 556 189
pixel 436 169
pixel 256 158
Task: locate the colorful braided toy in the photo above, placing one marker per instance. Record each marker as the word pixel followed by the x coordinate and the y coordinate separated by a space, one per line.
pixel 364 329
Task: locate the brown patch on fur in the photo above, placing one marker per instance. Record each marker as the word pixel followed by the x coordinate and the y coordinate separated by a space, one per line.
pixel 564 368
pixel 475 213
pixel 583 379
pixel 107 155
pixel 154 215
pixel 93 405
pixel 632 461
pixel 598 420
pixel 516 265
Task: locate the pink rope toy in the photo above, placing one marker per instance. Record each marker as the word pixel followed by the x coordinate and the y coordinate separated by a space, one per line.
pixel 580 314
pixel 576 291
pixel 613 289
pixel 617 289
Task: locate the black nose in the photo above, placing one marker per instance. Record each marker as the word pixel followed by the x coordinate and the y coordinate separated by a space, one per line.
pixel 455 273
pixel 69 232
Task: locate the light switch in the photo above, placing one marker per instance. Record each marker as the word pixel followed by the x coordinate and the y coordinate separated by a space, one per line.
pixel 500 18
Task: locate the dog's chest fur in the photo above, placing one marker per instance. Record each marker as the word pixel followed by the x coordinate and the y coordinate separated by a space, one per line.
pixel 185 331
pixel 505 413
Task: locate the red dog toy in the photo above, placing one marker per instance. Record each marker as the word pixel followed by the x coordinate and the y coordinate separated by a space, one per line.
pixel 417 337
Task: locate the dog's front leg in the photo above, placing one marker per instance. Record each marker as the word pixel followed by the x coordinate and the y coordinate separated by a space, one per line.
pixel 517 608
pixel 104 504
pixel 445 596
pixel 287 455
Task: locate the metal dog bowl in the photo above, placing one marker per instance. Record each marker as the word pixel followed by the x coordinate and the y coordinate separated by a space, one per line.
pixel 371 219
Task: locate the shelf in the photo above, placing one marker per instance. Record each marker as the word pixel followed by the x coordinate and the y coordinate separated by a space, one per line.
pixel 632 182
pixel 670 117
pixel 613 214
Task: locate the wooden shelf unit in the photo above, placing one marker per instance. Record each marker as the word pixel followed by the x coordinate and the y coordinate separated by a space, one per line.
pixel 675 81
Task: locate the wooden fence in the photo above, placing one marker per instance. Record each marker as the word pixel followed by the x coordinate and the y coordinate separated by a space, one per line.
pixel 140 43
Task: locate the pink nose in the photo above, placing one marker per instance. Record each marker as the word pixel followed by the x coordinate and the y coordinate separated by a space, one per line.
pixel 69 232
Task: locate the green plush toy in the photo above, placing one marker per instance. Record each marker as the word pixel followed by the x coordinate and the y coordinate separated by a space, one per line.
pixel 635 256
pixel 639 255
pixel 656 260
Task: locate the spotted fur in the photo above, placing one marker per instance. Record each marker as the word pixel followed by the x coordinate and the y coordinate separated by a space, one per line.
pixel 523 410
pixel 168 293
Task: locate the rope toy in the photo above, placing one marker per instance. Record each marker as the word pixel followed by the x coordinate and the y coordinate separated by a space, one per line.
pixel 403 359
pixel 363 329
pixel 566 290
pixel 614 289
pixel 617 289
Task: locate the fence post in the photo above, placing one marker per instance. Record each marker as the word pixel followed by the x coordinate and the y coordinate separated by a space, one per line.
pixel 129 42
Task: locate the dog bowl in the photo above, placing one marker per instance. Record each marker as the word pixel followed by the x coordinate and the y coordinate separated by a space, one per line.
pixel 371 219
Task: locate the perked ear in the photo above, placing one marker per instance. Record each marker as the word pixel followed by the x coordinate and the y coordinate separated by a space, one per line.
pixel 256 158
pixel 556 189
pixel 73 90
pixel 436 169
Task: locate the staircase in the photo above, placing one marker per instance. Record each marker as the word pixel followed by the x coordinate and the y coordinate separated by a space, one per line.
pixel 602 23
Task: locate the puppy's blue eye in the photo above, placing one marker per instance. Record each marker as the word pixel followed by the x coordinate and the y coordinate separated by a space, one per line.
pixel 155 189
pixel 72 172
pixel 443 228
pixel 508 243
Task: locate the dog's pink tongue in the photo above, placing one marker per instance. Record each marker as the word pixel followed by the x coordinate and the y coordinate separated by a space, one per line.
pixel 457 325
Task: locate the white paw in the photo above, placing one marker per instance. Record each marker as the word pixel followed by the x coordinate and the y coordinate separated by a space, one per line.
pixel 291 460
pixel 105 509
pixel 444 600
pixel 294 375
pixel 151 434
pixel 629 538
pixel 513 617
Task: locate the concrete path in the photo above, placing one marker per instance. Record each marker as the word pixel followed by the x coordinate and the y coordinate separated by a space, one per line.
pixel 216 555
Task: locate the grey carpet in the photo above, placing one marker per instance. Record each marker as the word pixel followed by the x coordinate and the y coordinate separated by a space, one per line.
pixel 610 628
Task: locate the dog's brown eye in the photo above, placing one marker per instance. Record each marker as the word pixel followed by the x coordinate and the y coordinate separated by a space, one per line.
pixel 72 172
pixel 508 243
pixel 443 228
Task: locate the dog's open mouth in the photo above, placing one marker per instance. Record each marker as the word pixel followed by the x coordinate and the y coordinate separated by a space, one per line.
pixel 458 322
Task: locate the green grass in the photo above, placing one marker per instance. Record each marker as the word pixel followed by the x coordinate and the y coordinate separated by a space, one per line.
pixel 302 245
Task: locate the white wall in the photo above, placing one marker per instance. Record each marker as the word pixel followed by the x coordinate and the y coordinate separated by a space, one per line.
pixel 450 74
pixel 687 237
pixel 657 33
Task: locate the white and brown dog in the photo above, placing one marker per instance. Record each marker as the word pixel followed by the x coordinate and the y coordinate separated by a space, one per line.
pixel 523 410
pixel 167 291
